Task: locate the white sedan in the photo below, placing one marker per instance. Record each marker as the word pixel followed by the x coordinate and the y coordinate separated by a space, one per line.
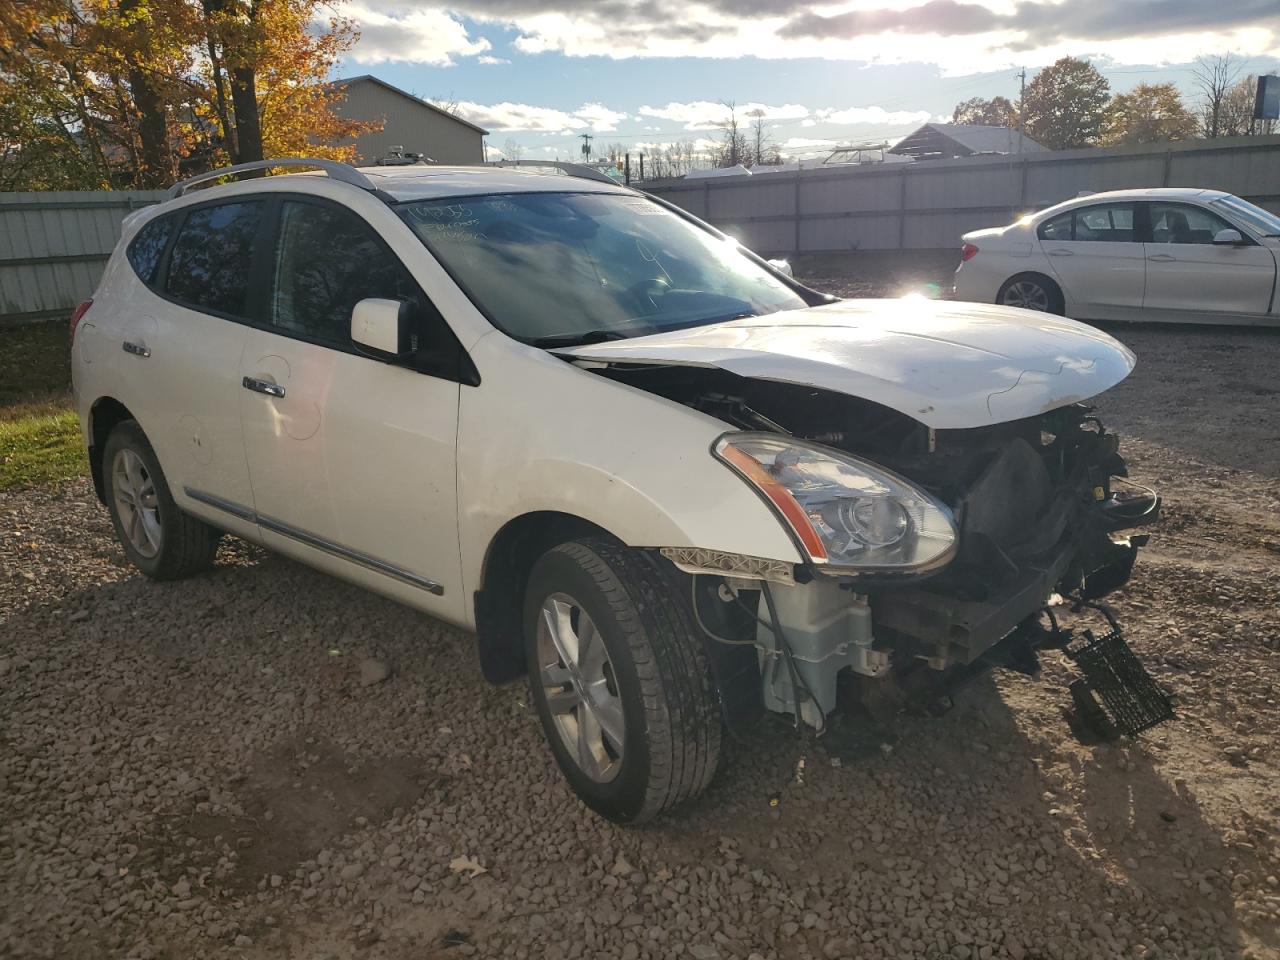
pixel 1171 254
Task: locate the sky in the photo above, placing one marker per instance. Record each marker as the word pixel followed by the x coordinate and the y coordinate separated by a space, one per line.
pixel 646 73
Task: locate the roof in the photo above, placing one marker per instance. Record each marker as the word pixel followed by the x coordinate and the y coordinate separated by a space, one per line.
pixel 370 78
pixel 428 182
pixel 946 140
pixel 1136 193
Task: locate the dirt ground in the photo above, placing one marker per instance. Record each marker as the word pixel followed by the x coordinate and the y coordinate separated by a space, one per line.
pixel 266 763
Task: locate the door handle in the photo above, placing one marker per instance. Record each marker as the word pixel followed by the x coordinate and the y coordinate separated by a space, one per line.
pixel 1161 258
pixel 1060 253
pixel 258 385
pixel 137 349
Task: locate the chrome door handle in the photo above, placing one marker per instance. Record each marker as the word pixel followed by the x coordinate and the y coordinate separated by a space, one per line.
pixel 1161 258
pixel 262 386
pixel 1060 253
pixel 137 349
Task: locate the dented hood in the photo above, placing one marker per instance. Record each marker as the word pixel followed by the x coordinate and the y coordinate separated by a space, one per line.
pixel 948 365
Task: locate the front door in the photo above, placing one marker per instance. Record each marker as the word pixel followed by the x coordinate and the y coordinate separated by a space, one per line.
pixel 352 459
pixel 1188 272
pixel 1098 256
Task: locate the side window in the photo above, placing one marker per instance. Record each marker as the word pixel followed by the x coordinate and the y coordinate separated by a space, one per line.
pixel 328 260
pixel 1182 223
pixel 1058 228
pixel 146 249
pixel 212 255
pixel 1106 223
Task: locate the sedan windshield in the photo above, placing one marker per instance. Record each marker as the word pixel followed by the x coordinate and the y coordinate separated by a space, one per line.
pixel 563 268
pixel 1263 221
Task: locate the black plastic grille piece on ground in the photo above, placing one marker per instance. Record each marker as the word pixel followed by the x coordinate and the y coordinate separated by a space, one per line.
pixel 1133 702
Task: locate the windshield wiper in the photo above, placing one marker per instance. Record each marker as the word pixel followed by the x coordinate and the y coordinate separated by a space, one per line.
pixel 577 339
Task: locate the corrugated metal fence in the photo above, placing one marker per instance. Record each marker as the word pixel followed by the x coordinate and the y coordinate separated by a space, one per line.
pixel 53 247
pixel 928 205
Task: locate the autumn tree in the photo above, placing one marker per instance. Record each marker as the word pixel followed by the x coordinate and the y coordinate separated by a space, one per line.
pixel 996 112
pixel 1065 104
pixel 128 93
pixel 1149 113
pixel 1237 110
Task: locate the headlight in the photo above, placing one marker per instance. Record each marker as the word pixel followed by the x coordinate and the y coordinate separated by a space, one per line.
pixel 846 513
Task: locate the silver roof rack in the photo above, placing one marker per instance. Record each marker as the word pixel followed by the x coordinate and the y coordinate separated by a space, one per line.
pixel 342 172
pixel 580 170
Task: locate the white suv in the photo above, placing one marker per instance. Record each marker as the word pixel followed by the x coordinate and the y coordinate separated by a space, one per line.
pixel 677 488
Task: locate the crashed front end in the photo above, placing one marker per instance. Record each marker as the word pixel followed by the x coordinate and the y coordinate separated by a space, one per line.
pixel 938 565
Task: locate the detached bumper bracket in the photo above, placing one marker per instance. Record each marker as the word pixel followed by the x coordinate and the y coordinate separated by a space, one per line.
pixel 1131 701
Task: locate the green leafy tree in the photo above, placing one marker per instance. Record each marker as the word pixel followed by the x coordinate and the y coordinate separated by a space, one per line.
pixel 1065 104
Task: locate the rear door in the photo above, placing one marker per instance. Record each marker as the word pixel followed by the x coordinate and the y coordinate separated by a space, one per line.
pixel 352 458
pixel 183 351
pixel 1097 255
pixel 1188 273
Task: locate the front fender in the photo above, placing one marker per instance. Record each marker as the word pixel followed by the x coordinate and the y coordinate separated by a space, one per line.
pixel 540 434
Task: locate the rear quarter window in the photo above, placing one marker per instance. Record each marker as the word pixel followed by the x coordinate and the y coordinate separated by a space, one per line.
pixel 147 248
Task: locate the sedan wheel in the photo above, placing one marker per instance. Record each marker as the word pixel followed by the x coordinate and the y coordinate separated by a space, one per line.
pixel 1027 294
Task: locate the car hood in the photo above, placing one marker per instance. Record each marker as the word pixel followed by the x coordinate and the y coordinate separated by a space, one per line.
pixel 948 365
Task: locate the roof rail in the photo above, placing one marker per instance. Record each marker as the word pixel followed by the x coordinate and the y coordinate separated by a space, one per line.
pixel 572 169
pixel 342 172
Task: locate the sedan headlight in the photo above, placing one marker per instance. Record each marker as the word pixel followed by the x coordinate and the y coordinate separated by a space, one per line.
pixel 846 513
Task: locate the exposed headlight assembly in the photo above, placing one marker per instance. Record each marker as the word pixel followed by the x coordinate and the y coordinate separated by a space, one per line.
pixel 848 515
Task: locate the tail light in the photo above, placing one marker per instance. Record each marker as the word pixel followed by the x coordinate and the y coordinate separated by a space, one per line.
pixel 968 252
pixel 78 315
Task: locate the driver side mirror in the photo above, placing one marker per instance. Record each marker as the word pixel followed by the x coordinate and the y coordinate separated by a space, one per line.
pixel 384 327
pixel 782 266
pixel 1228 237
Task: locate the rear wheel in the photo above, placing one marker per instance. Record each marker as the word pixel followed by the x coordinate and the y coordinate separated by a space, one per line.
pixel 157 537
pixel 1031 291
pixel 619 679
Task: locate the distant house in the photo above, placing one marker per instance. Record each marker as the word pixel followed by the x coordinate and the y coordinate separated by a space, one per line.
pixel 409 124
pixel 943 141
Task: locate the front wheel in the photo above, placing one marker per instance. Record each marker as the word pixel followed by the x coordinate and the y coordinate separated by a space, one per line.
pixel 619 679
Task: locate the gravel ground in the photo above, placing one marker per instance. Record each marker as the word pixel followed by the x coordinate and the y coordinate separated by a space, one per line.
pixel 264 762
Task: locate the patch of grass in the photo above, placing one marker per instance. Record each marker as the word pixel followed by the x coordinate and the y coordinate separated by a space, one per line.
pixel 35 363
pixel 40 444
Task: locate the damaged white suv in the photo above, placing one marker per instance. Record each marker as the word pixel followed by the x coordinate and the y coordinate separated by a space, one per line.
pixel 675 487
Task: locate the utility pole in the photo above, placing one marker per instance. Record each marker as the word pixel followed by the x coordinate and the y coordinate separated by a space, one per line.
pixel 586 146
pixel 1022 97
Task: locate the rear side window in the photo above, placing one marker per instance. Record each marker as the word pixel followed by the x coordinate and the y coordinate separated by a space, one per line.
pixel 212 256
pixel 327 261
pixel 1108 223
pixel 1059 228
pixel 147 248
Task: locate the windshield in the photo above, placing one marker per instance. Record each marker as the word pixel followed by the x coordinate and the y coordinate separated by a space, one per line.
pixel 564 268
pixel 1264 222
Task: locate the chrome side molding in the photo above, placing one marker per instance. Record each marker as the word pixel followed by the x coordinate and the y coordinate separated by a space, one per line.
pixel 312 540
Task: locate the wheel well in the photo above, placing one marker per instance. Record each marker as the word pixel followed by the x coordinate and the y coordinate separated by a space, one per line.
pixel 1051 285
pixel 500 599
pixel 103 417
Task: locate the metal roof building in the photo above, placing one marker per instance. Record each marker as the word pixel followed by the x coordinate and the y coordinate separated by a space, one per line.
pixel 408 122
pixel 944 141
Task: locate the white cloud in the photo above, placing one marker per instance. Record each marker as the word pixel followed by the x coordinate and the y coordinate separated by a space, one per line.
pixel 393 33
pixel 707 115
pixel 524 116
pixel 491 61
pixel 876 115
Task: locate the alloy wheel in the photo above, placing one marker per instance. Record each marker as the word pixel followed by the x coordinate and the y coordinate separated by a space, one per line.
pixel 581 689
pixel 137 506
pixel 1028 295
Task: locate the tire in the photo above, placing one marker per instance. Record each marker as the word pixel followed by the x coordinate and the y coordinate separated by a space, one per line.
pixel 1032 291
pixel 651 720
pixel 159 539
